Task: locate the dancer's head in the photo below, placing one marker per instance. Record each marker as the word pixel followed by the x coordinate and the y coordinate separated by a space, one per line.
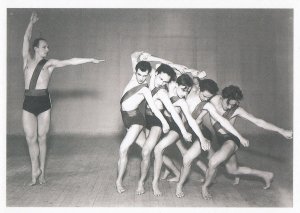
pixel 164 74
pixel 232 95
pixel 185 83
pixel 208 89
pixel 40 47
pixel 142 70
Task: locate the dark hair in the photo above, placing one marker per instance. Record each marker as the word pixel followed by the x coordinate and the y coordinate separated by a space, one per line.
pixel 208 85
pixel 232 93
pixel 143 66
pixel 185 80
pixel 36 42
pixel 164 68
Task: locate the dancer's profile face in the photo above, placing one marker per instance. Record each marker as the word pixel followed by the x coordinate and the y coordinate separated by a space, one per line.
pixel 141 76
pixel 183 91
pixel 42 49
pixel 161 79
pixel 205 95
pixel 229 104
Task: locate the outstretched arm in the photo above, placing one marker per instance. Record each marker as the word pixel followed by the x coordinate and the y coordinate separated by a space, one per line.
pixel 147 94
pixel 193 124
pixel 263 124
pixel 27 37
pixel 54 63
pixel 164 97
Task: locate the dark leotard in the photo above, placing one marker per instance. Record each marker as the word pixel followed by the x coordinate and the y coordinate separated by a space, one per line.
pixel 36 101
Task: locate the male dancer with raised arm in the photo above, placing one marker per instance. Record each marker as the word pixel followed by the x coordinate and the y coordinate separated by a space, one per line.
pixel 37 104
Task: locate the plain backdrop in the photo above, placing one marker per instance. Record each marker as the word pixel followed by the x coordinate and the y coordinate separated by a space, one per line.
pixel 251 48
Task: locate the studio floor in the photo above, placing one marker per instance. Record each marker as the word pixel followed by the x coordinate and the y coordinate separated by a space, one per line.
pixel 81 171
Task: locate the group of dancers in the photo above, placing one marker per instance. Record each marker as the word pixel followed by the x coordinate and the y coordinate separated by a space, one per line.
pixel 177 100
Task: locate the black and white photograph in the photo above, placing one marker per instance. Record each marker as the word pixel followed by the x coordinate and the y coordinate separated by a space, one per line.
pixel 139 106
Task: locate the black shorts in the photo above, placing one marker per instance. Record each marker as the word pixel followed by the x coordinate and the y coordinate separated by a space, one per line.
pixel 132 117
pixel 222 138
pixel 37 104
pixel 173 125
pixel 151 121
pixel 205 132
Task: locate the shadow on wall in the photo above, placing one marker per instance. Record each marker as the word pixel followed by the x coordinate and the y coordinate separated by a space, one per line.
pixel 67 94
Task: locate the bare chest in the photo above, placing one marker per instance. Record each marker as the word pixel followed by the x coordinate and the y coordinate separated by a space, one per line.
pixel 42 79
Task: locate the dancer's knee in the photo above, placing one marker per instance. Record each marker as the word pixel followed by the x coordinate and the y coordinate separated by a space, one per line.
pixel 187 161
pixel 158 151
pixel 146 154
pixel 31 139
pixel 213 163
pixel 42 137
pixel 123 151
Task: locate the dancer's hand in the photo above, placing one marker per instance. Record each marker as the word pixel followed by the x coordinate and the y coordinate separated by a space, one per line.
pixel 288 134
pixel 205 145
pixel 144 56
pixel 244 142
pixel 96 61
pixel 187 136
pixel 34 18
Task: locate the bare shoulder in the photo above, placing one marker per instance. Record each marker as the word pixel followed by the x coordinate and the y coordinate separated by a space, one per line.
pixel 215 99
pixel 145 90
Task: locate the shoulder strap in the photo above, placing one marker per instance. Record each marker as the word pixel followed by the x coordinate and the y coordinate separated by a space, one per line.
pixel 174 99
pixel 156 89
pixel 36 74
pixel 198 109
pixel 132 91
pixel 230 112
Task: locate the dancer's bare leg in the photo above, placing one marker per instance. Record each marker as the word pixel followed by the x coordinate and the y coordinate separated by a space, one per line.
pixel 170 138
pixel 151 141
pixel 43 129
pixel 188 158
pixel 233 168
pixel 170 166
pixel 227 149
pixel 30 128
pixel 199 163
pixel 128 140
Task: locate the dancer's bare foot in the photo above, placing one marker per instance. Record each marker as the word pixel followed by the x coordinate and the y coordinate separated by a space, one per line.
pixel 205 194
pixel 179 192
pixel 268 179
pixel 34 177
pixel 140 190
pixel 156 190
pixel 120 188
pixel 236 181
pixel 165 175
pixel 42 179
pixel 174 179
